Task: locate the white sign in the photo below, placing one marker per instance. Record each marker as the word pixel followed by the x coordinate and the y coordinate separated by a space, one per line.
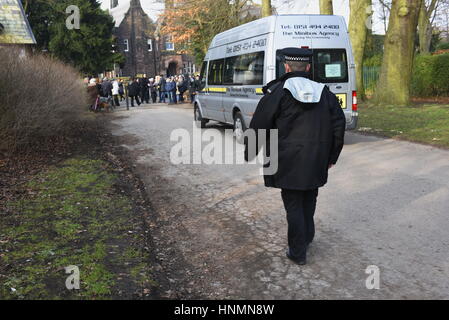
pixel 333 70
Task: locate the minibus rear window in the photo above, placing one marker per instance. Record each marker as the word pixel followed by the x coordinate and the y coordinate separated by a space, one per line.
pixel 330 65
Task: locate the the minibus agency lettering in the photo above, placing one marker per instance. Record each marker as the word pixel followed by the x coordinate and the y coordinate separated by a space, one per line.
pixel 246 46
pixel 241 91
pixel 311 26
pixel 310 30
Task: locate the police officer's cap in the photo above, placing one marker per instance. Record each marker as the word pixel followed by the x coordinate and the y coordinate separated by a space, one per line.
pixel 296 54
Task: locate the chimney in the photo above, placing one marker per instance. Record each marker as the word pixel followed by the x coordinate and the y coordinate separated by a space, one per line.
pixel 135 4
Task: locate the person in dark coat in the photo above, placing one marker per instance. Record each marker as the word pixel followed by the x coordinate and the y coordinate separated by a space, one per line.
pixel 106 87
pixel 195 87
pixel 311 128
pixel 121 90
pixel 134 91
pixel 144 93
pixel 162 89
pixel 100 88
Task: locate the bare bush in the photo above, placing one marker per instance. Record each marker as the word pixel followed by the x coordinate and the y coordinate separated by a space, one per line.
pixel 40 97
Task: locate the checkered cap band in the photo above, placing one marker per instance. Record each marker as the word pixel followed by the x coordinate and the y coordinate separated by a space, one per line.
pixel 304 59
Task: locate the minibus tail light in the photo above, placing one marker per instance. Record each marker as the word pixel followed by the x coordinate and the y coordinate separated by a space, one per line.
pixel 354 101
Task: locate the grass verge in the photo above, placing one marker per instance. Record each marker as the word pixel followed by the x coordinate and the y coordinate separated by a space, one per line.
pixel 79 213
pixel 426 123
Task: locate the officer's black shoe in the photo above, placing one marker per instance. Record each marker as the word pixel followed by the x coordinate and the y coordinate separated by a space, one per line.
pixel 300 262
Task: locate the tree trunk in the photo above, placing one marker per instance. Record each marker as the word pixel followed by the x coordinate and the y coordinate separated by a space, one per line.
pixel 425 26
pixel 266 8
pixel 326 7
pixel 25 6
pixel 393 86
pixel 359 13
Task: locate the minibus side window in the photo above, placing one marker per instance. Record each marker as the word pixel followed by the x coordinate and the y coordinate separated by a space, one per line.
pixel 246 69
pixel 215 75
pixel 203 75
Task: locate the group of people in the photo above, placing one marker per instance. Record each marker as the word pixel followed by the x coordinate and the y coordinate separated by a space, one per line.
pixel 105 90
pixel 175 89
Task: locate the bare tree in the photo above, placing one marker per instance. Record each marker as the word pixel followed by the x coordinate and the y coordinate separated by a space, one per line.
pixel 445 22
pixel 326 7
pixel 385 6
pixel 266 8
pixel 425 24
pixel 394 80
pixel 358 23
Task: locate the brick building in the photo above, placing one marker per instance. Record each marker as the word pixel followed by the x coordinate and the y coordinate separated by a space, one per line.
pixel 145 49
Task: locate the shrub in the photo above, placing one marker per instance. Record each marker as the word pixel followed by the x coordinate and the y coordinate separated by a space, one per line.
pixel 373 61
pixel 422 76
pixel 40 97
pixel 440 74
pixel 443 46
pixel 430 76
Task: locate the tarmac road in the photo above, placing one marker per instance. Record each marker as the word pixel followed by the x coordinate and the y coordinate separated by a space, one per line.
pixel 220 233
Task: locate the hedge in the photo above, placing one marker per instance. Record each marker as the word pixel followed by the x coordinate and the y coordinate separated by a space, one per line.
pixel 373 61
pixel 430 75
pixel 40 97
pixel 443 46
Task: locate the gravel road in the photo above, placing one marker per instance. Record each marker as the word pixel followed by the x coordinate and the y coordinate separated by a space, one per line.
pixel 221 234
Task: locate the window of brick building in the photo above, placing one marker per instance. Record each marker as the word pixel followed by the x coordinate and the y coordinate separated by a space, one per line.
pixel 114 3
pixel 169 44
pixel 126 44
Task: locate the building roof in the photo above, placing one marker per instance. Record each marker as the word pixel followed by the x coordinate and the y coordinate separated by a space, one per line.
pixel 15 27
pixel 151 7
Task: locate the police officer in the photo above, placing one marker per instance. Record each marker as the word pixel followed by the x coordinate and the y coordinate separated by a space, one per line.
pixel 311 128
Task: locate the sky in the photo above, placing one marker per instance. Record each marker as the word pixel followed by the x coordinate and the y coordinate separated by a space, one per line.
pixel 341 7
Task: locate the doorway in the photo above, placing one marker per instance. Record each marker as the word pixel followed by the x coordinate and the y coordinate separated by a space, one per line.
pixel 172 69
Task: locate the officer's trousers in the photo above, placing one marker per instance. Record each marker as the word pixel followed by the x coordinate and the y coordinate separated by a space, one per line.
pixel 300 206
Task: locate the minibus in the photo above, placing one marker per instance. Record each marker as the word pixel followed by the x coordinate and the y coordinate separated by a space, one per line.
pixel 240 61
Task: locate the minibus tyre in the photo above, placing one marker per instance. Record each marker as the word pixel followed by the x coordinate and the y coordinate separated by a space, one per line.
pixel 199 118
pixel 239 127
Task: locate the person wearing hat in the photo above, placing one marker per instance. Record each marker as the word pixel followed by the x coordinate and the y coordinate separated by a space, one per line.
pixel 311 128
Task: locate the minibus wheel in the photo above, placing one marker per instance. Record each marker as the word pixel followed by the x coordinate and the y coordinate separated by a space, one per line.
pixel 200 122
pixel 239 127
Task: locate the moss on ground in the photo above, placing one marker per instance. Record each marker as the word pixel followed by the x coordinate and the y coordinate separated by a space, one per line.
pixel 428 123
pixel 72 214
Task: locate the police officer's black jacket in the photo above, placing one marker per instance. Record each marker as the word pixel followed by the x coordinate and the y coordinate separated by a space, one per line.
pixel 310 134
